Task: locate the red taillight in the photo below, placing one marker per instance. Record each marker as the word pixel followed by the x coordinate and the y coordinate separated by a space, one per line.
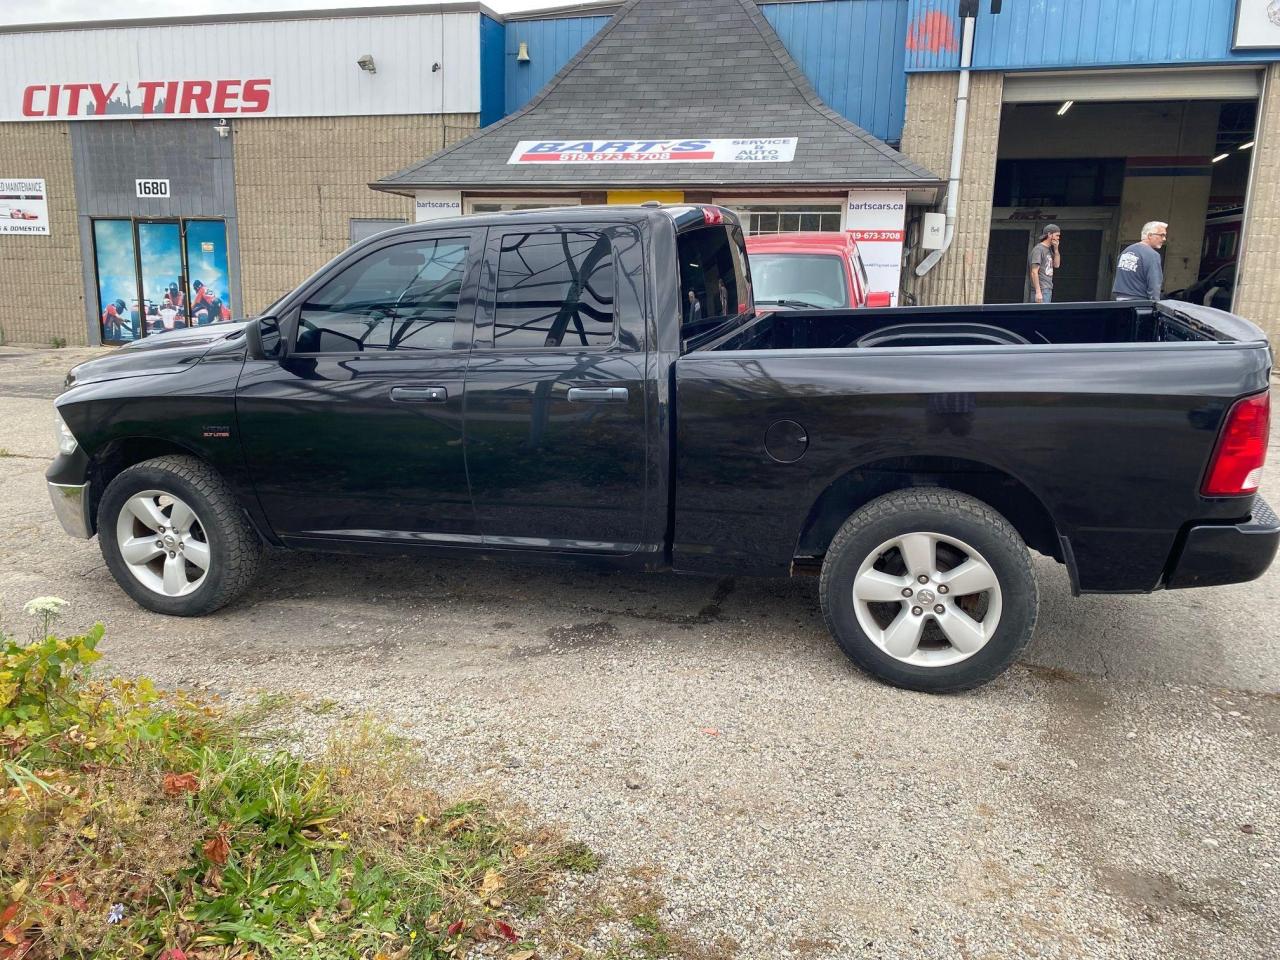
pixel 1236 466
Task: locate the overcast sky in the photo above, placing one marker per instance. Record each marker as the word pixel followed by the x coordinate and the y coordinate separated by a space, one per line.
pixel 48 11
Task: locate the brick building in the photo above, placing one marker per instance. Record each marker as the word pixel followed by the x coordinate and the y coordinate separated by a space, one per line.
pixel 154 189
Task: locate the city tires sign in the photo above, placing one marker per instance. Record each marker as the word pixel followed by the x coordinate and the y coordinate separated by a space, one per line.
pixel 244 69
pixel 617 150
pixel 145 98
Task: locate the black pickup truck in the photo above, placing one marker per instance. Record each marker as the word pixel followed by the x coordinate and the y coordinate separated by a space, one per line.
pixel 595 384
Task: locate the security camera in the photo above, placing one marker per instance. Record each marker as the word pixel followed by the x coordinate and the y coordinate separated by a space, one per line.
pixel 366 63
pixel 223 128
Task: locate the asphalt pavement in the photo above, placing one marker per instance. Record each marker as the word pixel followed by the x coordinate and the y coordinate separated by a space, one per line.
pixel 1116 794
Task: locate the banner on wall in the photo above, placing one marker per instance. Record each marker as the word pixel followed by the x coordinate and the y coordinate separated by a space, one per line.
pixel 436 204
pixel 1257 25
pixel 877 220
pixel 24 207
pixel 619 150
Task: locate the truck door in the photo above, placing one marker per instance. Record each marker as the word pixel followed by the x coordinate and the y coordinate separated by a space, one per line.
pixel 558 449
pixel 355 433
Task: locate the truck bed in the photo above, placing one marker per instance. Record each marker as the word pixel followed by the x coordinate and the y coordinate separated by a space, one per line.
pixel 1133 322
pixel 1094 430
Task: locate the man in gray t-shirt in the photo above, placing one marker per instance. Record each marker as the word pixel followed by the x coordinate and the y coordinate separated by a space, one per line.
pixel 1043 261
pixel 1140 271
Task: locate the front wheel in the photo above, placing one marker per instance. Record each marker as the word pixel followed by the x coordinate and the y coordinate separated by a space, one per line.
pixel 174 537
pixel 929 590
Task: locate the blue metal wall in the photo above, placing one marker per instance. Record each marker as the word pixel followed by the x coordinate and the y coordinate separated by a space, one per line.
pixel 853 53
pixel 851 50
pixel 492 71
pixel 552 44
pixel 1064 34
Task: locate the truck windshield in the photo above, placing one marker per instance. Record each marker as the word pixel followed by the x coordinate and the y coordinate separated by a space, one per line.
pixel 715 284
pixel 796 279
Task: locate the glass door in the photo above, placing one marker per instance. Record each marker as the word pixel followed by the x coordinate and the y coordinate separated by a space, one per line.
pixel 206 249
pixel 116 264
pixel 161 273
pixel 157 275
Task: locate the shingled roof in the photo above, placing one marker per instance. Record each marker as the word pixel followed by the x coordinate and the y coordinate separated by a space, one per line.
pixel 672 69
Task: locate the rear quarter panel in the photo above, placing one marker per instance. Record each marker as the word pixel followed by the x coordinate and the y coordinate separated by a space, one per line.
pixel 1113 440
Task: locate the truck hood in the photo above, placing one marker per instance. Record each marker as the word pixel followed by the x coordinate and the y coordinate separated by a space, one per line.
pixel 169 352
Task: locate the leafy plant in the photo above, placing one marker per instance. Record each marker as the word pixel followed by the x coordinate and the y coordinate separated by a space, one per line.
pixel 136 822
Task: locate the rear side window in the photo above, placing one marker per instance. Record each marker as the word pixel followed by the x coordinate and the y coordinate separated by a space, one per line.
pixel 403 297
pixel 555 289
pixel 714 283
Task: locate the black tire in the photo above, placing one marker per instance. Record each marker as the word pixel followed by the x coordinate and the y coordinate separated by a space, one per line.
pixel 950 515
pixel 233 546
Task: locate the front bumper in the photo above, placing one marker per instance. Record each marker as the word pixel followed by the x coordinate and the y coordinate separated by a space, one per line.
pixel 71 506
pixel 1214 554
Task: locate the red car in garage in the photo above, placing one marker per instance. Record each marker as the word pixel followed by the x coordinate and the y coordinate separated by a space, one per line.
pixel 805 271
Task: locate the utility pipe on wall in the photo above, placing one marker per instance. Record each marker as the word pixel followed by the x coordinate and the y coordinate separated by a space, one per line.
pixel 957 150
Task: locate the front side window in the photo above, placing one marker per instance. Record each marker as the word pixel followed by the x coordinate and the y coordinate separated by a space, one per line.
pixel 792 279
pixel 403 297
pixel 555 289
pixel 714 283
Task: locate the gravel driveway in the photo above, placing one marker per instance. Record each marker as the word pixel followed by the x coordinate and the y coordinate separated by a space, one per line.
pixel 1117 794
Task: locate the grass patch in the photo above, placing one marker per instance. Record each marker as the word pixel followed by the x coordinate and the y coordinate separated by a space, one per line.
pixel 139 823
pixel 621 918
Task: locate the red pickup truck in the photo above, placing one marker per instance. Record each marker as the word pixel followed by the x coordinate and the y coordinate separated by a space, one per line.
pixel 804 271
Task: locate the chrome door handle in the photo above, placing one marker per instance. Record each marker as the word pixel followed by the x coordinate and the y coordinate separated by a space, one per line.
pixel 598 394
pixel 419 394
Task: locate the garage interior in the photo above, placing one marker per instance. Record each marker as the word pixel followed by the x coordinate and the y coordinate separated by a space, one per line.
pixel 1073 154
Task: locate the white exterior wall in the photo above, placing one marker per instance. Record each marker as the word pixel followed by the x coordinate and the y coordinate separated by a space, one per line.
pixel 311 64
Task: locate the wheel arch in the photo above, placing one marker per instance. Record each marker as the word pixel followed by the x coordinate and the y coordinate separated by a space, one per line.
pixel 118 455
pixel 997 488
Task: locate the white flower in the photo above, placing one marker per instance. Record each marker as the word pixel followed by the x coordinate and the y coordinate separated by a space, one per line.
pixel 45 606
pixel 116 913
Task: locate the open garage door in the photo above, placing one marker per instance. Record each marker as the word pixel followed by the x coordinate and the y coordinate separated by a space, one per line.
pixel 1226 83
pixel 1086 153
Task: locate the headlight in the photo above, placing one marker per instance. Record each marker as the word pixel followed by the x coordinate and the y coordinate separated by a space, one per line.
pixel 62 433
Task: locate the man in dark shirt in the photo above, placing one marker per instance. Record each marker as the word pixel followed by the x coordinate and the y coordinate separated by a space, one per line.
pixel 1044 260
pixel 1139 271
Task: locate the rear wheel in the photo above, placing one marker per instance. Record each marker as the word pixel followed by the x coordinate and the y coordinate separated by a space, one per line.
pixel 174 537
pixel 929 590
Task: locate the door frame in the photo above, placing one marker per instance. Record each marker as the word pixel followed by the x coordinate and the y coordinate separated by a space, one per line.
pixel 1106 219
pixel 134 221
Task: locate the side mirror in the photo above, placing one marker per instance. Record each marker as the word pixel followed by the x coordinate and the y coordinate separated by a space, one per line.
pixel 880 298
pixel 265 337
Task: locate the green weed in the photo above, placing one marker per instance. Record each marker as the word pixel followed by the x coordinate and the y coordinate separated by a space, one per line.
pixel 136 822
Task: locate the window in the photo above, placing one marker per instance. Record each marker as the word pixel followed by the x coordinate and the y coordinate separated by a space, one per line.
pixel 362 229
pixel 714 283
pixel 815 279
pixel 503 204
pixel 555 289
pixel 788 218
pixel 402 297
